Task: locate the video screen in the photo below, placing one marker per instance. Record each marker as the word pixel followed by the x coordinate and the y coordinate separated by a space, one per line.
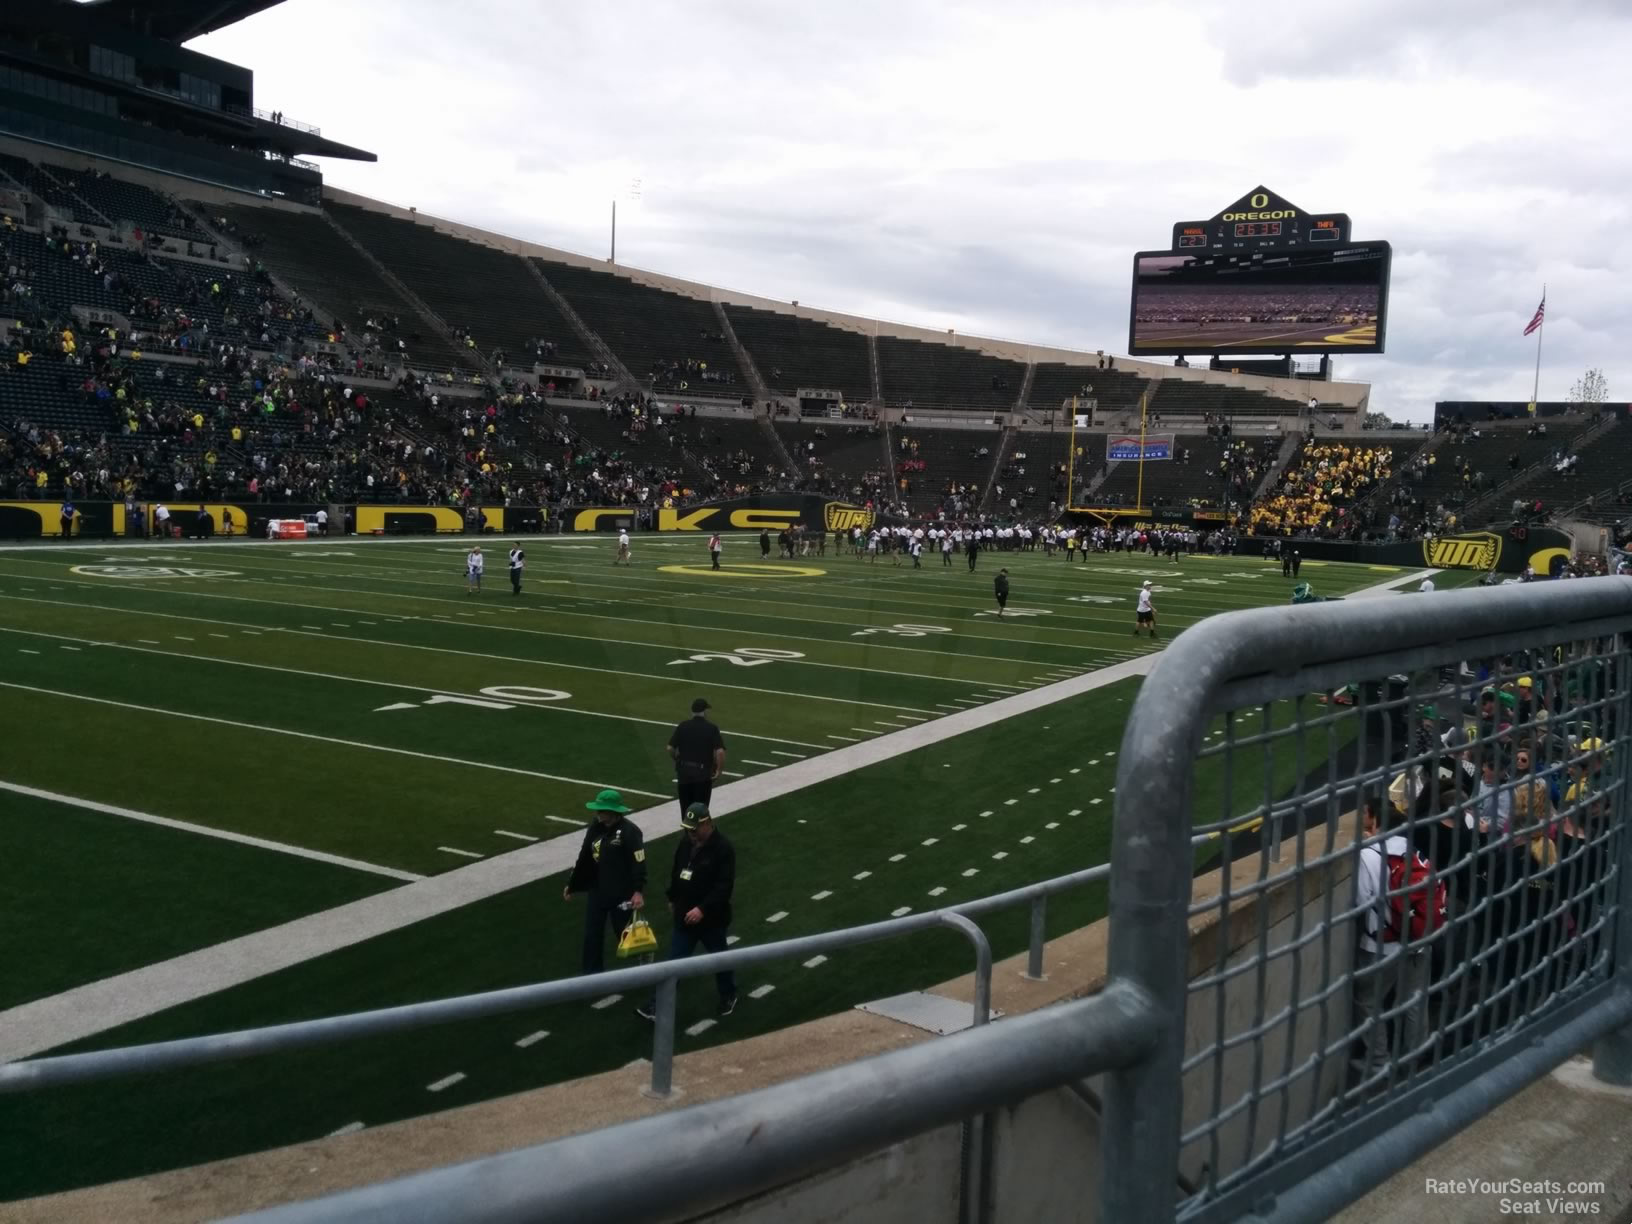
pixel 1330 300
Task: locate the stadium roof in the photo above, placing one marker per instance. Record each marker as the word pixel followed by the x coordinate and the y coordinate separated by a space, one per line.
pixel 178 20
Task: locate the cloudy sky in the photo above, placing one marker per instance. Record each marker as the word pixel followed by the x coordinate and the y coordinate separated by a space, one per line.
pixel 992 167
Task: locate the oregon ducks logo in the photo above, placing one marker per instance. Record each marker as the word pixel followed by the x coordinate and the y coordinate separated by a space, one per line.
pixel 841 516
pixel 1480 550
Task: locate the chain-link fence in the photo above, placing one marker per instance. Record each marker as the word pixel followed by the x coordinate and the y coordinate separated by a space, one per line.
pixel 1420 805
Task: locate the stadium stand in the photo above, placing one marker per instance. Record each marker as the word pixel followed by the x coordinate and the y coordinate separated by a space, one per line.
pixel 1194 476
pixel 1183 397
pixel 844 459
pixel 737 454
pixel 1478 458
pixel 673 341
pixel 792 352
pixel 943 470
pixel 306 252
pixel 1565 477
pixel 121 201
pixel 1053 383
pixel 1321 482
pixel 926 375
pixel 1033 471
pixel 485 293
pixel 34 178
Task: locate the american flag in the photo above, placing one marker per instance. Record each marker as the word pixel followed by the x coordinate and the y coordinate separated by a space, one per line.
pixel 1536 322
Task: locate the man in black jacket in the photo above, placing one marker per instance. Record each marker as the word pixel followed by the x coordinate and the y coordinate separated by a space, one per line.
pixel 698 750
pixel 611 868
pixel 700 885
pixel 1000 588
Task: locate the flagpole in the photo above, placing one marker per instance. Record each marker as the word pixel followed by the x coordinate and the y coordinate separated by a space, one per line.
pixel 1139 497
pixel 1535 387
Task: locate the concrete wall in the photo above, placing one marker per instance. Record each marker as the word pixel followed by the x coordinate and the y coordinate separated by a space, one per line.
pixel 915 1181
pixel 1046 1163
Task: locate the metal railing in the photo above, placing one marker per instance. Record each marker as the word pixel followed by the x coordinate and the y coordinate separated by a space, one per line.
pixel 1259 1053
pixel 661 978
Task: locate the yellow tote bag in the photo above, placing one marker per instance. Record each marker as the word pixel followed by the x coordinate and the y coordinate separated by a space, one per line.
pixel 637 939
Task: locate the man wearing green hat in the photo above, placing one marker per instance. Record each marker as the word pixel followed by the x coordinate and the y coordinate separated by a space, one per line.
pixel 611 868
pixel 700 886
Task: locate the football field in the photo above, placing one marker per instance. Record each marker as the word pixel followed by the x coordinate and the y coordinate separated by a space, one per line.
pixel 210 747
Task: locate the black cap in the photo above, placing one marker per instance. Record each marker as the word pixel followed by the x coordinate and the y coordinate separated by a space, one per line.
pixel 698 706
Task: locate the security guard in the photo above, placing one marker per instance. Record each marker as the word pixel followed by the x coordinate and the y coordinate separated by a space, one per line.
pixel 698 750
pixel 700 885
pixel 611 868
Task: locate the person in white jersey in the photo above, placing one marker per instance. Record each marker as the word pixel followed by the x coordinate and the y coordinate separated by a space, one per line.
pixel 623 547
pixel 872 546
pixel 473 571
pixel 1145 612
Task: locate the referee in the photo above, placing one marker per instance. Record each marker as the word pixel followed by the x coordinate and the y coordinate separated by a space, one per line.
pixel 698 750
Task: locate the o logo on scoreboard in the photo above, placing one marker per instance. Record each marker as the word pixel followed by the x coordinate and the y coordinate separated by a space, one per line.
pixel 1260 200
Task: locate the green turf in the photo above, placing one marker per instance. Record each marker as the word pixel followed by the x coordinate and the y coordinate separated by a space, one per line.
pixel 89 895
pixel 295 640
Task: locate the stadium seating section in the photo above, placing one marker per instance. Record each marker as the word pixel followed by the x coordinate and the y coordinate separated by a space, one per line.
pixel 651 330
pixel 160 421
pixel 121 202
pixel 951 457
pixel 1177 481
pixel 1459 461
pixel 469 286
pixel 791 352
pixel 1053 383
pixel 945 376
pixel 1601 463
pixel 1175 397
pixel 849 457
pixel 312 258
pixel 33 178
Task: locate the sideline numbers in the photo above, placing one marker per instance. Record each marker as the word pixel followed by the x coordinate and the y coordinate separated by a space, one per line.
pixel 741 656
pixel 150 571
pixel 509 695
pixel 1013 612
pixel 904 630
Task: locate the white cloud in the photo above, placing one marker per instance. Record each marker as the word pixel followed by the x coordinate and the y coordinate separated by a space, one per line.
pixel 993 169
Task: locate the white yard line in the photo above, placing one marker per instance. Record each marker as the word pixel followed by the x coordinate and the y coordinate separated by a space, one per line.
pixel 688 681
pixel 556 707
pixel 447 1081
pixel 526 837
pixel 324 739
pixel 243 839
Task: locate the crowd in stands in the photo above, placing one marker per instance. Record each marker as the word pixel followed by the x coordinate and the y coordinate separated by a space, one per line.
pixel 1203 304
pixel 1320 482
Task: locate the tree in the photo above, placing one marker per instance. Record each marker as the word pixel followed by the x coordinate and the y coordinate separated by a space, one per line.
pixel 1377 420
pixel 1590 390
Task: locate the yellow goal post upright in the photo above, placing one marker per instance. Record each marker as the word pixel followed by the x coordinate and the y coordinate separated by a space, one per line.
pixel 1078 420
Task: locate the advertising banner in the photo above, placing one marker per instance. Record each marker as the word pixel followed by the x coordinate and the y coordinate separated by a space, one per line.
pixel 1156 446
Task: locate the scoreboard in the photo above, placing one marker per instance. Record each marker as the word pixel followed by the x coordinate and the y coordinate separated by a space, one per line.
pixel 1262 276
pixel 1261 220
